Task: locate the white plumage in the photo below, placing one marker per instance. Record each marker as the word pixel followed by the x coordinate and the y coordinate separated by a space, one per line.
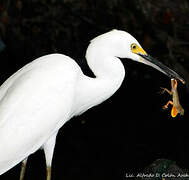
pixel 35 103
pixel 37 100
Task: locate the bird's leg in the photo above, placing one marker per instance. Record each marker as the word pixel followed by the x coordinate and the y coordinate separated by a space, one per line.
pixel 165 90
pixel 49 173
pixel 23 169
pixel 49 150
pixel 166 105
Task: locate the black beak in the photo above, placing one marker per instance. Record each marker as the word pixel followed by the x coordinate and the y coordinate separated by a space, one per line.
pixel 159 66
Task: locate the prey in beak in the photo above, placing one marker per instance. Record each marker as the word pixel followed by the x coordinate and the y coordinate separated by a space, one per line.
pixel 147 59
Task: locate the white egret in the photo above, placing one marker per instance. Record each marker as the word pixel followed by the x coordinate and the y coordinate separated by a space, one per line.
pixel 38 99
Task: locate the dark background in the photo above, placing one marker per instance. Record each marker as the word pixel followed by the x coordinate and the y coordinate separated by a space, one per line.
pixel 130 130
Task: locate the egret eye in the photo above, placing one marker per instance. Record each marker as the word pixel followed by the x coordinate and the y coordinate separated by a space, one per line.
pixel 133 46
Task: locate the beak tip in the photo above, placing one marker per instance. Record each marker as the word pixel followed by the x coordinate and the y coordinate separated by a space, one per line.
pixel 158 65
pixel 179 79
pixel 183 81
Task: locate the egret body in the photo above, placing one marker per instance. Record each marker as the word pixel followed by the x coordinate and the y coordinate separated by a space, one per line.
pixel 41 97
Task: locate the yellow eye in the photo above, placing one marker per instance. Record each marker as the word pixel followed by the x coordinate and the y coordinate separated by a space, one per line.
pixel 133 46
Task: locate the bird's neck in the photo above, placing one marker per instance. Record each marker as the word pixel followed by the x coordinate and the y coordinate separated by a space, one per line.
pixel 109 72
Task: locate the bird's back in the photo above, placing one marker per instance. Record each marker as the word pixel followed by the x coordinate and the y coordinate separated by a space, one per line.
pixel 34 103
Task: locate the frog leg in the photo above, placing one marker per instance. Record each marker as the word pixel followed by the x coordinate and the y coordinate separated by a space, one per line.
pixel 165 90
pixel 166 105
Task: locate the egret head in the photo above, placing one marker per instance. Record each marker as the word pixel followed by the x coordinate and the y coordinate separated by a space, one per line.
pixel 126 46
pixel 137 53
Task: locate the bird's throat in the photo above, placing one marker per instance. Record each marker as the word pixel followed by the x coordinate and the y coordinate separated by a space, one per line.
pixel 93 91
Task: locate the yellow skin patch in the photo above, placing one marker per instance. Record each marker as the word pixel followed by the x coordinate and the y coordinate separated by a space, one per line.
pixel 174 111
pixel 137 50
